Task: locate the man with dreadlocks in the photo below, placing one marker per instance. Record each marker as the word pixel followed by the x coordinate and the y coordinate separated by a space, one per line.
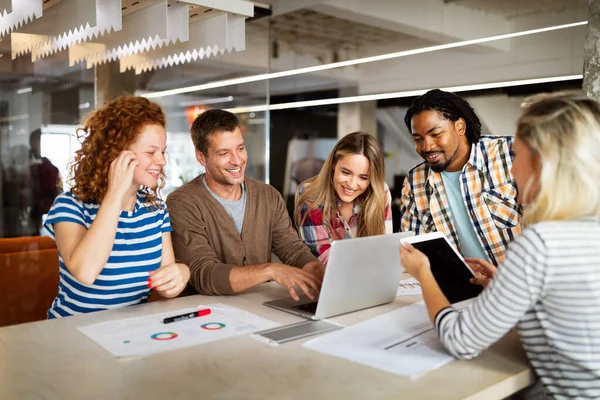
pixel 464 187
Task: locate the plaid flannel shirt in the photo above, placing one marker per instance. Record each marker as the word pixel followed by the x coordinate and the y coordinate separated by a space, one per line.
pixel 318 236
pixel 489 192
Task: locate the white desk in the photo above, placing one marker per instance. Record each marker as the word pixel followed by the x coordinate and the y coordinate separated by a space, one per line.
pixel 52 360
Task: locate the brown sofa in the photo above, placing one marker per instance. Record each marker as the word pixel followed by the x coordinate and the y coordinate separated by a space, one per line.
pixel 29 283
pixel 29 268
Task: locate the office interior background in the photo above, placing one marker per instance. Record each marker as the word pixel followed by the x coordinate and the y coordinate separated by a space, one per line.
pixel 298 74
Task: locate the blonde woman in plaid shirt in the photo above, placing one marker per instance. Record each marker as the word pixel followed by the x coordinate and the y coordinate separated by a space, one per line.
pixel 464 188
pixel 348 198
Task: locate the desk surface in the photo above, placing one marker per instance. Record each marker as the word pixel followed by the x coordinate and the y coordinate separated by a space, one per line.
pixel 52 360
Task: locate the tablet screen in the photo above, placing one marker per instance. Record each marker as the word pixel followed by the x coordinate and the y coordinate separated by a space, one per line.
pixel 449 270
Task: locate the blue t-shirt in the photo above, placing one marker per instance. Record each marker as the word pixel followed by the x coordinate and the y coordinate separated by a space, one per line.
pixel 469 242
pixel 137 250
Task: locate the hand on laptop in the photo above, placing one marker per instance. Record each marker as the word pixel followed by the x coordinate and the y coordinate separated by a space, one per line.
pixel 292 278
pixel 317 269
pixel 484 271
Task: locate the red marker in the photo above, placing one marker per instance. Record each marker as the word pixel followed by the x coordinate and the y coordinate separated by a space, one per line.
pixel 183 317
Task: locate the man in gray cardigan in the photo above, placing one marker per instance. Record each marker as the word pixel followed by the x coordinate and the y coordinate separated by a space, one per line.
pixel 225 226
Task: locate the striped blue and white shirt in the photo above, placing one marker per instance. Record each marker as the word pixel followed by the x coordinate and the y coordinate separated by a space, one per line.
pixel 137 250
pixel 549 286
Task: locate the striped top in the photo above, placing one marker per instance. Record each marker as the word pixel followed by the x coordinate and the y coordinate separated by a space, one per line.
pixel 124 279
pixel 488 190
pixel 549 286
pixel 318 234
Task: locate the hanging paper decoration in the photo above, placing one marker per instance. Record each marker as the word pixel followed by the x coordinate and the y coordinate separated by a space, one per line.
pixel 5 6
pixel 19 14
pixel 144 30
pixel 81 13
pixel 209 37
pixel 108 19
pixel 142 35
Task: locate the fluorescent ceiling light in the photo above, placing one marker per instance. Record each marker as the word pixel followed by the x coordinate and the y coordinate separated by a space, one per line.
pixel 299 71
pixel 201 102
pixel 397 95
pixel 24 90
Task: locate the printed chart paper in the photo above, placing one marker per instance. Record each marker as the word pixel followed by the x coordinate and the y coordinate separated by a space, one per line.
pixel 402 342
pixel 148 335
pixel 408 287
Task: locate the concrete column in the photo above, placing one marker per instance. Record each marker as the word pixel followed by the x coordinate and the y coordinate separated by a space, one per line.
pixel 591 57
pixel 109 82
pixel 354 117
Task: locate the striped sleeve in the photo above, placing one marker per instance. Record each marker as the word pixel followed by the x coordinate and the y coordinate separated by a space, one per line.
pixel 518 285
pixel 66 208
pixel 166 220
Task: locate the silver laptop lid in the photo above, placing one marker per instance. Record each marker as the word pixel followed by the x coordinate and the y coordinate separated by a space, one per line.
pixel 361 273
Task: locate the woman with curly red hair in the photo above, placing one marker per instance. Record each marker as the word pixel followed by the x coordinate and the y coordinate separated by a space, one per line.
pixel 112 230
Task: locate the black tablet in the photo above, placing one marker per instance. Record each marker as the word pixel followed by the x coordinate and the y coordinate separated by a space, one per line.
pixel 447 265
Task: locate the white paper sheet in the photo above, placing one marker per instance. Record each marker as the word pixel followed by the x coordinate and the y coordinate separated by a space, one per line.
pixel 148 335
pixel 402 342
pixel 409 287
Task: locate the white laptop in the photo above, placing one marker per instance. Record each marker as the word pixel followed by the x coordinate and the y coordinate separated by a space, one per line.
pixel 360 273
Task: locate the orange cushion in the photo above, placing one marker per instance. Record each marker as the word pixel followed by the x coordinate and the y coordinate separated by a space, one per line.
pixel 26 243
pixel 29 284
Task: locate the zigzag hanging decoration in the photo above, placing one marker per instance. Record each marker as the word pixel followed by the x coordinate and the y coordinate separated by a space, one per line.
pixel 143 34
pixel 108 18
pixel 210 37
pixel 15 16
pixel 153 27
pixel 82 15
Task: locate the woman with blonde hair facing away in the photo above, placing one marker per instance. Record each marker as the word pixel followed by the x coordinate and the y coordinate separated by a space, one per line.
pixel 112 230
pixel 347 199
pixel 549 283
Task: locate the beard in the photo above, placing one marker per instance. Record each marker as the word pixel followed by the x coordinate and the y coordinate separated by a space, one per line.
pixel 439 167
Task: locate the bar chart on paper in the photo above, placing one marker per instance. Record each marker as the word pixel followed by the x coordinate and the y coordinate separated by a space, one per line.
pixel 149 335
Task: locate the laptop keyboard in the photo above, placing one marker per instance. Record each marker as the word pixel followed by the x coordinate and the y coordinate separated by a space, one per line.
pixel 308 307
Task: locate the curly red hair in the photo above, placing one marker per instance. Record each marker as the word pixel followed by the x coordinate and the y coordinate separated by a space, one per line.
pixel 106 132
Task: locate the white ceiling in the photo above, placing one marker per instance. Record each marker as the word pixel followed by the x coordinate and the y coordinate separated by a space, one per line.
pixel 513 8
pixel 311 32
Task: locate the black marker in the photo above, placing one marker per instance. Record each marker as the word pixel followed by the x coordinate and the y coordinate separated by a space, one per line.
pixel 183 317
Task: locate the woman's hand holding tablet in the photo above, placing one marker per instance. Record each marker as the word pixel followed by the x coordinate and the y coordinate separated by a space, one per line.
pixel 448 267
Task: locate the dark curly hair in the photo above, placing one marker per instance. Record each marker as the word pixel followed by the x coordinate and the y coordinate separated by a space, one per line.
pixel 106 132
pixel 451 107
pixel 209 122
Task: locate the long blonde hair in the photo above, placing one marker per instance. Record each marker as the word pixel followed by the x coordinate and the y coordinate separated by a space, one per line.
pixel 563 134
pixel 320 193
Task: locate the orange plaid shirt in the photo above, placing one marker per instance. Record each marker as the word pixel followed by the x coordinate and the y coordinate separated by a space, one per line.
pixel 489 192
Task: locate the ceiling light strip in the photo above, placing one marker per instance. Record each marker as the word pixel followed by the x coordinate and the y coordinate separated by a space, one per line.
pixel 397 95
pixel 260 77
